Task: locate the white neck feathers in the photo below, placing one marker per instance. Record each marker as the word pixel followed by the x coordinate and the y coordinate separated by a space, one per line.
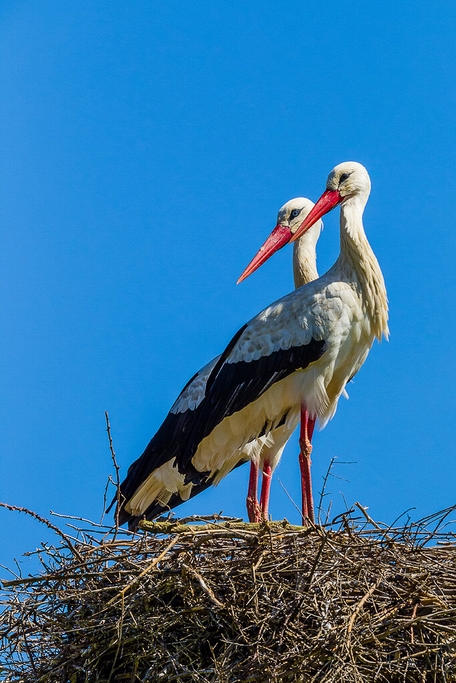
pixel 305 257
pixel 357 256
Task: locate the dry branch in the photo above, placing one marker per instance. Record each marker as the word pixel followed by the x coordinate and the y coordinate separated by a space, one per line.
pixel 214 600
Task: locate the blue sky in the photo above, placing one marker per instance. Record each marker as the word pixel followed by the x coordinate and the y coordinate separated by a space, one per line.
pixel 145 150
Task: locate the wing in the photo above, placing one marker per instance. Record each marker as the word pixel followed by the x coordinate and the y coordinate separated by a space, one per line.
pixel 169 441
pixel 155 509
pixel 166 444
pixel 286 337
pixel 275 344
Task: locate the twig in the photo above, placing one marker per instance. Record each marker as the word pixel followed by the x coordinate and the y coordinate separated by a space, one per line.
pixel 119 638
pixel 290 498
pixel 144 572
pixel 77 518
pixel 45 521
pixel 203 585
pixel 374 524
pixel 361 604
pixel 117 471
pixel 176 527
pixel 208 518
pixel 323 490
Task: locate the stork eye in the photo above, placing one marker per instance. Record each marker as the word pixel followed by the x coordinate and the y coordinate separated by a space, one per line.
pixel 344 177
pixel 295 213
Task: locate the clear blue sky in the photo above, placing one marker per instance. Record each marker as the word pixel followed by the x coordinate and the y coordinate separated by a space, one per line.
pixel 145 150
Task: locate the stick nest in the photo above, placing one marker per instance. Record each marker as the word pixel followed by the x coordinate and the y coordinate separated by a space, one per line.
pixel 219 601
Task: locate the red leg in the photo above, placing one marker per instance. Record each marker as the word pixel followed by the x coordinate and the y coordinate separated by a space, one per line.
pixel 305 438
pixel 253 507
pixel 265 490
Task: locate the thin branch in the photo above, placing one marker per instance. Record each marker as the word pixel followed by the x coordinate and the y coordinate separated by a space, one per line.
pixel 146 571
pixel 323 490
pixel 117 472
pixel 290 498
pixel 45 521
pixel 203 585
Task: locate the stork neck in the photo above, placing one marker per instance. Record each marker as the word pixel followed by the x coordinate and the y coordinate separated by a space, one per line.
pixel 305 258
pixel 359 262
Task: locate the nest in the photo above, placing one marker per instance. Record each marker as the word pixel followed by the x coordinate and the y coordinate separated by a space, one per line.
pixel 218 601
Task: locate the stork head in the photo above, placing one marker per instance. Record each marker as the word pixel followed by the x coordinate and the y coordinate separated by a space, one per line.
pixel 289 219
pixel 349 178
pixel 348 181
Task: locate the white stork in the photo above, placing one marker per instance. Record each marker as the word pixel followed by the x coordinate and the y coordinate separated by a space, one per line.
pixel 299 352
pixel 304 270
pixel 264 451
pixel 347 308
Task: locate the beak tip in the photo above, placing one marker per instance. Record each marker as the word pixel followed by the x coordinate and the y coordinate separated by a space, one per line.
pixel 276 240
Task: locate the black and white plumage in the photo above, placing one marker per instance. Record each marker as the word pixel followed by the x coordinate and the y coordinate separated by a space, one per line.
pixel 155 482
pixel 348 306
pixel 300 351
pixel 304 270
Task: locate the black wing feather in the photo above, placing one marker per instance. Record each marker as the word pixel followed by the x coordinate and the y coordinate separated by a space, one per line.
pixel 170 439
pixel 229 389
pixel 236 385
pixel 155 509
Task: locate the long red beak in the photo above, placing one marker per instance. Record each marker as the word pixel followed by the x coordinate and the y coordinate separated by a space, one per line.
pixel 328 201
pixel 278 238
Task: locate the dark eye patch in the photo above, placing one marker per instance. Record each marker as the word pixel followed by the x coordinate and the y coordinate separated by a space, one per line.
pixel 295 213
pixel 344 177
